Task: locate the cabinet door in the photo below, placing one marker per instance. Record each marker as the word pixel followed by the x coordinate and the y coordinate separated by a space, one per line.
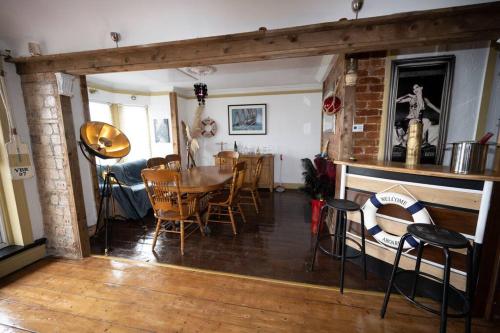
pixel 266 177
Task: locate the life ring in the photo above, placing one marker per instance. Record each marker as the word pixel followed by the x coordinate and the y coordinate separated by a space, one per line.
pixel 412 206
pixel 208 127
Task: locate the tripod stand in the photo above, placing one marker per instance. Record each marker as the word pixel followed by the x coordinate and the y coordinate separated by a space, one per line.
pixel 107 202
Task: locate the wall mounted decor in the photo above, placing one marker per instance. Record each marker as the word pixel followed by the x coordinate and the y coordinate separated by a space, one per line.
pixel 420 89
pixel 247 119
pixel 162 131
pixel 208 127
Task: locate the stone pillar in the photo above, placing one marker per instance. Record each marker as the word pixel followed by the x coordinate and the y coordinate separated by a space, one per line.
pixel 50 157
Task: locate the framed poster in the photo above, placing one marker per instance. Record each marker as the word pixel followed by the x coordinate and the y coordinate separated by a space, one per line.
pixel 162 131
pixel 247 119
pixel 420 89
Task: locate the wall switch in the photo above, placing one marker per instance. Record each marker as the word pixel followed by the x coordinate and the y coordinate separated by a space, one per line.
pixel 357 128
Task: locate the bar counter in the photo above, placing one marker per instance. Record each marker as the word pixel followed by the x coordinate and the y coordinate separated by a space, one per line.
pixel 468 204
pixel 425 170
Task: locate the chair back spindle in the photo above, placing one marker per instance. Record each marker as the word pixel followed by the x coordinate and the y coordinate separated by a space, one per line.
pixel 173 162
pixel 237 182
pixel 162 186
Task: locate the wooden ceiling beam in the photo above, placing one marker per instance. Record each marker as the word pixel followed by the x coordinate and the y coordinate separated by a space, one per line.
pixel 430 27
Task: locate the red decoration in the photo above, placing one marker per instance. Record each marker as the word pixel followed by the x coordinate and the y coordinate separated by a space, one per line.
pixel 316 214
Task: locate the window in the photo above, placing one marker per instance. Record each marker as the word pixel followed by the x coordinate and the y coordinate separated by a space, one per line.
pixel 100 112
pixel 135 125
pixel 133 121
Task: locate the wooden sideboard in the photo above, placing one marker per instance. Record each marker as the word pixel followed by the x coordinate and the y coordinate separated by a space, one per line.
pixel 267 175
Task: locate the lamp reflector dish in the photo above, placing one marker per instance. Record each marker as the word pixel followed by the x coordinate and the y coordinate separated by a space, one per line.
pixel 104 140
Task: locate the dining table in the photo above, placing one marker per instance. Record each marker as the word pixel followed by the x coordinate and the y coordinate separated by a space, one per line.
pixel 203 179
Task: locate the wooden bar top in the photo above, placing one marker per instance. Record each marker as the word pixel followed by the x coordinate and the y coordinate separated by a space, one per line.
pixel 425 170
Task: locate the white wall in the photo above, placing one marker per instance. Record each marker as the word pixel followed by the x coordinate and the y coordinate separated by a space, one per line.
pixel 493 119
pixel 470 68
pixel 102 96
pixel 15 94
pixel 159 108
pixel 293 129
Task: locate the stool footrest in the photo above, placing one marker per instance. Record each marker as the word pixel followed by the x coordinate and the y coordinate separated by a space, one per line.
pixel 461 294
pixel 338 256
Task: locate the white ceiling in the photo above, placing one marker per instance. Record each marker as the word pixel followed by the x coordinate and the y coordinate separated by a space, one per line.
pixel 65 26
pixel 272 73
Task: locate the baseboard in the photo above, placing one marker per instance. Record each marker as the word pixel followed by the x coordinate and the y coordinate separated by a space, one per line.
pixel 22 259
pixel 289 186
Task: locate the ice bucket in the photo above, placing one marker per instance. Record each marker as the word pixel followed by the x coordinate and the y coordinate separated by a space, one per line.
pixel 468 157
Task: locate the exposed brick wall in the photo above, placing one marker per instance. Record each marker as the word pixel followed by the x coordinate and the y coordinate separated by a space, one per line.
pixel 369 100
pixel 50 158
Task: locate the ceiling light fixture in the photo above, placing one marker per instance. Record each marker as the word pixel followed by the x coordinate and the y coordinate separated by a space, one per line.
pixel 200 88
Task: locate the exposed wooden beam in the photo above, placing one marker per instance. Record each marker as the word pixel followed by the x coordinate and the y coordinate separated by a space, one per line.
pixel 430 27
pixel 174 119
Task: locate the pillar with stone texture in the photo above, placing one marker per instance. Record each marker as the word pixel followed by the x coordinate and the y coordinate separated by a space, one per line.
pixel 65 237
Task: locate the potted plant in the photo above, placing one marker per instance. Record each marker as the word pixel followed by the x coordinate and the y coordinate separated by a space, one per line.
pixel 318 185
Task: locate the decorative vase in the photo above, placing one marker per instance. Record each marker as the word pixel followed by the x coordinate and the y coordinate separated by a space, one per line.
pixel 414 144
pixel 316 205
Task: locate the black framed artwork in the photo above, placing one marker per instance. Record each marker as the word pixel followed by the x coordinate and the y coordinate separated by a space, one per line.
pixel 420 89
pixel 247 119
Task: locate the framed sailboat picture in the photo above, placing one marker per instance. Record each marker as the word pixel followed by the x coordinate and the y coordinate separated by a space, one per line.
pixel 247 119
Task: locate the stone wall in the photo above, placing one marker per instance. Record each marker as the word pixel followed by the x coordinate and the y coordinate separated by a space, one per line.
pixel 50 157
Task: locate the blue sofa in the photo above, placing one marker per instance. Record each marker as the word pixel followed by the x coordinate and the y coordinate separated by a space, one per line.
pixel 129 176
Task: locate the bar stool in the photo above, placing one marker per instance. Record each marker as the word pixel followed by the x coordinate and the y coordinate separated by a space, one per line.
pixel 445 239
pixel 340 237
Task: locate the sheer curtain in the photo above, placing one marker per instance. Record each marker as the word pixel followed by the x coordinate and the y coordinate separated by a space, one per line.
pixel 100 112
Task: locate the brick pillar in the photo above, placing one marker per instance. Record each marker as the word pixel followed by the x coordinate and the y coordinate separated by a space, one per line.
pixel 369 99
pixel 50 157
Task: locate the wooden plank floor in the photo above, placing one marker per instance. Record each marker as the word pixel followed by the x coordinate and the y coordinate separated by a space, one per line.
pixel 117 295
pixel 276 243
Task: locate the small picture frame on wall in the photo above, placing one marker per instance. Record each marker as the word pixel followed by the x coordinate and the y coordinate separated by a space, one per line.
pixel 162 131
pixel 420 89
pixel 247 119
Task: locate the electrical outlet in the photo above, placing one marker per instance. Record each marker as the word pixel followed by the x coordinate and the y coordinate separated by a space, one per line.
pixel 357 128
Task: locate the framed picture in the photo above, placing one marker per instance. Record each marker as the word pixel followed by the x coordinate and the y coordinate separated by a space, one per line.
pixel 247 119
pixel 162 130
pixel 420 89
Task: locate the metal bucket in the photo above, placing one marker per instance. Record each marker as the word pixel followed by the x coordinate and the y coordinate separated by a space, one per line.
pixel 468 157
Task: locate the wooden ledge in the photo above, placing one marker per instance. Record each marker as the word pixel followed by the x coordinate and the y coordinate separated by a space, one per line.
pixel 424 170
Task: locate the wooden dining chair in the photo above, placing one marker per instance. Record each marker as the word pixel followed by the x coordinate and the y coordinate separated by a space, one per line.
pixel 173 162
pixel 227 157
pixel 156 161
pixel 222 205
pixel 253 187
pixel 162 186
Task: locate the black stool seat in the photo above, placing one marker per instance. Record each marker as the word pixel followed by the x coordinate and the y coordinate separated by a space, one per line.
pixel 435 235
pixel 345 205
